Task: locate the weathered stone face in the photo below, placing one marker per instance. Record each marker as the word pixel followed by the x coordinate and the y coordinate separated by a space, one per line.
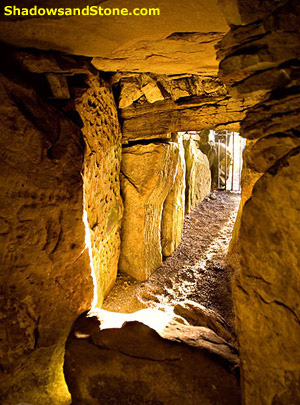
pixel 147 176
pixel 174 207
pixel 198 177
pixel 266 291
pixel 189 104
pixel 151 87
pixel 45 274
pixel 136 365
pixel 102 200
pixel 269 285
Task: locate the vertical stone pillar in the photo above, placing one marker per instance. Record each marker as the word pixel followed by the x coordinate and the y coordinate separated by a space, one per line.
pixel 260 61
pixel 148 174
pixel 174 207
pixel 102 200
pixel 198 177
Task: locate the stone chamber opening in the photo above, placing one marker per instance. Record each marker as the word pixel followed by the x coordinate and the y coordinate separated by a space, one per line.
pixel 149 209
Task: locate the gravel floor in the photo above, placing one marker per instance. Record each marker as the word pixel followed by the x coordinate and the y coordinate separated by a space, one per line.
pixel 198 270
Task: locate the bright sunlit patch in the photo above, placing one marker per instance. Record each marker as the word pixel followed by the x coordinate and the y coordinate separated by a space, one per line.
pixel 154 318
pixel 88 246
pixel 218 243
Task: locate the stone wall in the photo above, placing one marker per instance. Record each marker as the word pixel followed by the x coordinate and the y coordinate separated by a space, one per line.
pixel 266 290
pixel 45 274
pixel 60 155
pixel 102 200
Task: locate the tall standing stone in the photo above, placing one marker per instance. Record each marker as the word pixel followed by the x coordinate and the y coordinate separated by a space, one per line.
pixel 174 208
pixel 148 174
pixel 102 159
pixel 198 177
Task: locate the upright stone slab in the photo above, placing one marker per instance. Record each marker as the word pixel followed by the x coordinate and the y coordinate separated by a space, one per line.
pixel 45 275
pixel 267 287
pixel 148 174
pixel 174 208
pixel 198 177
pixel 102 200
pixel 266 291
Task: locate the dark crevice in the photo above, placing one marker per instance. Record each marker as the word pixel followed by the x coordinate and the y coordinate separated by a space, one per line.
pixel 148 358
pixel 36 333
pixel 279 303
pixel 283 162
pixel 50 150
pixel 129 180
pixel 146 142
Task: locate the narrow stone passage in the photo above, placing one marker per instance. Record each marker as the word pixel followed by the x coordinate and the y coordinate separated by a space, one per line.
pixel 198 270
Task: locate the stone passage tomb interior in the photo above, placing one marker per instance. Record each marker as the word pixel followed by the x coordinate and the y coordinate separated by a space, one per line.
pixel 150 204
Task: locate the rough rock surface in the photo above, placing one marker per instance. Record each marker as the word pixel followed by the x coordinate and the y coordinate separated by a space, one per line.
pixel 136 365
pixel 174 208
pixel 266 291
pixel 197 314
pixel 198 177
pixel 268 286
pixel 180 39
pixel 147 175
pixel 135 87
pixel 152 106
pixel 45 274
pixel 145 120
pixel 102 200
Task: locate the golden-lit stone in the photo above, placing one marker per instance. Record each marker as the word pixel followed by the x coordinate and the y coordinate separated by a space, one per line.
pixel 267 288
pixel 145 120
pixel 142 365
pixel 174 208
pixel 173 42
pixel 45 274
pixel 198 177
pixel 148 174
pixel 102 199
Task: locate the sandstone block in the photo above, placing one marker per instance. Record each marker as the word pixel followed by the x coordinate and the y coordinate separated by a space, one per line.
pixel 174 208
pixel 135 365
pixel 130 91
pixel 102 200
pixel 198 177
pixel 152 92
pixel 148 174
pixel 198 315
pixel 266 292
pixel 45 275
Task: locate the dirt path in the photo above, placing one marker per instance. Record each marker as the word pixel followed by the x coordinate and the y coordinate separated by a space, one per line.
pixel 196 271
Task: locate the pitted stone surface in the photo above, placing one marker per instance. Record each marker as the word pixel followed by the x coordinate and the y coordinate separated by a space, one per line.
pixel 45 274
pixel 102 160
